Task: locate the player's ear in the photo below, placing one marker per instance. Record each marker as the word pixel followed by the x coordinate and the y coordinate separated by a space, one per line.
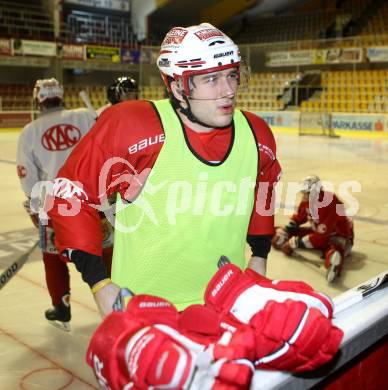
pixel 176 89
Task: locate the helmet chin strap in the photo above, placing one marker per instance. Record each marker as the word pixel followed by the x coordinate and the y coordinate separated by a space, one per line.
pixel 189 114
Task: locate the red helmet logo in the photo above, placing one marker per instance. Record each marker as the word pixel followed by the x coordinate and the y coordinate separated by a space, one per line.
pixel 60 137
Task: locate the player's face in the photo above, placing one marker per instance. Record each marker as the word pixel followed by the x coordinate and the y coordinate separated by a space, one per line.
pixel 213 97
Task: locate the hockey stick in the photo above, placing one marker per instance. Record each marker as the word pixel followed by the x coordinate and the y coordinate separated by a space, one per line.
pixel 359 293
pixel 119 303
pixel 15 267
pixel 350 297
pixel 85 98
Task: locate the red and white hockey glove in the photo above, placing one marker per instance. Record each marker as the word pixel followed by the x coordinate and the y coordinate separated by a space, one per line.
pixel 143 348
pixel 293 330
pixel 280 290
pixel 279 238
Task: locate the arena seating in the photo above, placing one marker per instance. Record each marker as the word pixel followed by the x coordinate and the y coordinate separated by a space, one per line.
pixel 264 90
pixel 375 32
pixel 347 91
pixel 25 20
pixel 340 90
pixel 363 91
pixel 19 97
pixel 285 28
pixel 152 92
pixel 96 94
pixel 15 97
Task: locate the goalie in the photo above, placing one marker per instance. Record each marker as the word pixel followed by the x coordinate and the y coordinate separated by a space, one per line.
pixel 329 229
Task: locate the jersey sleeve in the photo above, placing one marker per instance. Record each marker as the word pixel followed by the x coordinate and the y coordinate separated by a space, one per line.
pixel 328 222
pixel 327 216
pixel 27 169
pixel 301 216
pixel 268 174
pixel 98 167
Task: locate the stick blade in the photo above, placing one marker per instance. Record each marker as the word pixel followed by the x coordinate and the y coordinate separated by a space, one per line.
pixel 379 283
pixel 360 292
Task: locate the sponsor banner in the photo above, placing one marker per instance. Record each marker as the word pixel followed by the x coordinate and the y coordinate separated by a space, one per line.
pixel 73 52
pixel 285 58
pixel 319 56
pixel 348 55
pixel 6 47
pixel 339 121
pixel 130 56
pixel 366 122
pixel 377 54
pixel 34 48
pixel 14 119
pixel 280 118
pixel 315 57
pixel 103 53
pixel 118 5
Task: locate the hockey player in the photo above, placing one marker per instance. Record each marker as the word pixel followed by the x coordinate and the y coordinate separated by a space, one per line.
pixel 328 229
pixel 43 147
pixel 121 89
pixel 187 169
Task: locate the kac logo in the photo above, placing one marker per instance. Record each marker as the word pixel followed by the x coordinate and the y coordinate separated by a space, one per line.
pixel 60 137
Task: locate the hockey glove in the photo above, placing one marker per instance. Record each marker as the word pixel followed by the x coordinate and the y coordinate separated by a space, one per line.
pixel 279 238
pixel 293 330
pixel 144 348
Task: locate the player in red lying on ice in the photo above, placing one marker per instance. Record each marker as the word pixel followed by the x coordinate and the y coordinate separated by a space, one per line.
pixel 329 229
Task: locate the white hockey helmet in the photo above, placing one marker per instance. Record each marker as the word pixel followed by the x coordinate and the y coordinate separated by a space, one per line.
pixel 310 183
pixel 47 89
pixel 187 51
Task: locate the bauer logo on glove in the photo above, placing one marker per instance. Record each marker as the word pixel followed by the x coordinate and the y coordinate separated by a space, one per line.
pixel 145 347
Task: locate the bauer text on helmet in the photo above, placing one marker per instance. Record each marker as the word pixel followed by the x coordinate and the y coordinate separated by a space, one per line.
pixel 195 50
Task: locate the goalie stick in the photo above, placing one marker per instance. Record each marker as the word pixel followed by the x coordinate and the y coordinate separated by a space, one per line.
pixel 359 293
pixel 85 98
pixel 15 267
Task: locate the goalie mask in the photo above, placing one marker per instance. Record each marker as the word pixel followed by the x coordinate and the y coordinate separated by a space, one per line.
pixel 123 88
pixel 47 92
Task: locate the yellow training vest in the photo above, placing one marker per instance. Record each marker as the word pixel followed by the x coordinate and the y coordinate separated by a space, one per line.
pixel 189 213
